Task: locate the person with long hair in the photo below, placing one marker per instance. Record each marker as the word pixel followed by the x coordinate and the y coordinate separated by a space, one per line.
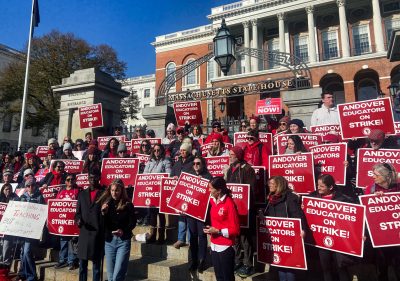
pixel 157 164
pixel 296 126
pixel 56 176
pixel 282 202
pixel 110 151
pixel 224 229
pixel 255 152
pixel 91 161
pixel 197 134
pixel 119 221
pixel 217 146
pixel 294 145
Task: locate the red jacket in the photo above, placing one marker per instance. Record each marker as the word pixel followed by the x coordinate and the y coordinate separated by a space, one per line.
pixel 224 215
pixel 225 137
pixel 256 155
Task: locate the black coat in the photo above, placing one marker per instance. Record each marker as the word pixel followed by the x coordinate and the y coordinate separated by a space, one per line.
pixel 89 220
pixel 181 166
pixel 288 206
pixel 124 220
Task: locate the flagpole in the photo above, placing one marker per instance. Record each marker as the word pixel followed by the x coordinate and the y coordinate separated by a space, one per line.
pixel 28 58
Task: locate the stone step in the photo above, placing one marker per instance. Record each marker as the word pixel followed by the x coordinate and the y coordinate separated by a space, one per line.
pixel 41 266
pixel 159 251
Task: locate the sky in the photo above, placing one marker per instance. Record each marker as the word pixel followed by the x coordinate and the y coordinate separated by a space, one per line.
pixel 129 26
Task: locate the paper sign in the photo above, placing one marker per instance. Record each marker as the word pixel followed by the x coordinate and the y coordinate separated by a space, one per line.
pixel 307 139
pixel 102 141
pixel 147 190
pixel 82 181
pixel 269 106
pixel 91 116
pixel 217 164
pixel 41 151
pixel 188 112
pixel 125 169
pixel 61 217
pixel 50 192
pixel 71 166
pixel 167 187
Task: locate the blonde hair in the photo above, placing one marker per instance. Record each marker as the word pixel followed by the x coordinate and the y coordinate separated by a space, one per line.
pixel 106 196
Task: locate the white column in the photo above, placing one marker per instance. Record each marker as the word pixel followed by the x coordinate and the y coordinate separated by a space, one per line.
pixel 344 32
pixel 281 23
pixel 311 34
pixel 246 25
pixel 377 19
pixel 254 61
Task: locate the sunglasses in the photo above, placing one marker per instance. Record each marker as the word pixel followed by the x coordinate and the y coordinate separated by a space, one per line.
pixel 121 151
pixel 250 138
pixel 196 163
pixel 283 123
pixel 78 144
pixel 156 150
pixel 29 185
pixel 69 179
pixel 144 145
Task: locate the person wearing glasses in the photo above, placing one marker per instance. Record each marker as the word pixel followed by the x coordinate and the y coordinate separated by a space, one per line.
pixel 283 125
pixel 67 255
pixel 173 148
pixel 28 266
pixel 56 176
pixel 198 239
pixel 110 151
pixel 79 145
pixel 296 126
pixel 139 133
pixel 327 113
pixel 217 146
pixel 158 164
pixel 255 153
pixel 89 220
pixel 117 131
pixel 216 129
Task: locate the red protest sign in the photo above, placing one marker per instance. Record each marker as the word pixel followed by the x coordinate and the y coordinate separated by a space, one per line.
pixel 167 187
pixel 330 158
pixel 298 169
pixel 91 116
pixel 71 166
pixel 102 141
pixel 267 140
pixel 147 190
pixel 358 119
pixel 259 188
pixel 269 106
pixel 82 181
pixel 3 207
pixel 188 112
pixel 241 197
pixel 325 129
pixel 41 174
pixel 205 148
pixel 368 157
pixel 239 139
pixel 335 226
pixel 61 217
pixel 279 242
pixel 382 214
pixel 307 139
pixel 397 128
pixel 125 169
pixel 217 164
pixel 50 192
pixel 128 145
pixel 41 151
pixel 191 196
pixel 143 158
pixel 135 144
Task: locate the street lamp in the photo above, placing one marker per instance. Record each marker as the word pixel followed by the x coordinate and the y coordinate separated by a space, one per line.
pixel 224 44
pixel 221 105
pixel 393 88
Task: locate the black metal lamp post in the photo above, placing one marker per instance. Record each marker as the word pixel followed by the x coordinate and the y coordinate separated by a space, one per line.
pixel 221 105
pixel 224 45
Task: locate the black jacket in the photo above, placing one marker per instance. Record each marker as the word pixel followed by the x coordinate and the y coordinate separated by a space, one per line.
pixel 124 220
pixel 181 166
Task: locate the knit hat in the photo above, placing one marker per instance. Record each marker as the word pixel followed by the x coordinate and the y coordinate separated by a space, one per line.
pixel 187 147
pixel 216 124
pixel 52 140
pixel 29 182
pixel 67 146
pixel 8 172
pixel 238 152
pixel 121 147
pixel 285 119
pixel 171 127
pixel 29 155
pixel 332 138
pixel 151 133
pixel 180 130
pixel 31 150
pixel 217 137
pixel 297 122
pixel 28 172
pixel 377 134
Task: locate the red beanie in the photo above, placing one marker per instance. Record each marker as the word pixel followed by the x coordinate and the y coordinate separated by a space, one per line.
pixel 217 136
pixel 238 152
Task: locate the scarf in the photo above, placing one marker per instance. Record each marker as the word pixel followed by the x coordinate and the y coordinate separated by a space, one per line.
pixel 274 199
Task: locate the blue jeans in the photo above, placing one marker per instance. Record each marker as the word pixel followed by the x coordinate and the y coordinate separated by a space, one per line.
pixel 117 253
pixel 83 267
pixel 286 275
pixel 27 261
pixel 66 251
pixel 182 228
pixel 8 250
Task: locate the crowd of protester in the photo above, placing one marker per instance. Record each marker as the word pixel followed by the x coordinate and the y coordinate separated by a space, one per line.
pixel 106 216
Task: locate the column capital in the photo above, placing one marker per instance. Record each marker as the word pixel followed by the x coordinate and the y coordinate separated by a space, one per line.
pixel 254 22
pixel 310 9
pixel 246 24
pixel 341 3
pixel 281 16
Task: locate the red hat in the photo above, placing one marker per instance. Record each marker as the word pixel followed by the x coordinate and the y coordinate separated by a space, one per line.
pixel 91 150
pixel 51 152
pixel 238 152
pixel 376 134
pixel 93 142
pixel 217 137
pixel 180 130
pixel 29 155
pixel 332 138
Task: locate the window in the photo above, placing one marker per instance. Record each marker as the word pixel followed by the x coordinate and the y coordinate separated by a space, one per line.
pixel 210 70
pixel 7 123
pixel 391 25
pixel 273 46
pixel 361 40
pixel 146 93
pixel 191 76
pixel 169 69
pixel 330 44
pixel 367 90
pixel 301 47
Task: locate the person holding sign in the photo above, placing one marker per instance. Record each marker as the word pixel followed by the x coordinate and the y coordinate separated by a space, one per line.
pixel 294 145
pixel 282 202
pixel 217 146
pixel 223 230
pixel 119 221
pixel 110 151
pixel 333 264
pixel 56 176
pixel 296 126
pixel 385 180
pixel 255 153
pixel 198 240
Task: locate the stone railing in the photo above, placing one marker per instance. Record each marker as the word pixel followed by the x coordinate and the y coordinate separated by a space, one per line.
pixel 184 33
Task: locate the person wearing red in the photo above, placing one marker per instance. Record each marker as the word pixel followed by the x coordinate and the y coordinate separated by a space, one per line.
pixel 218 146
pixel 56 176
pixel 216 125
pixel 255 153
pixel 223 230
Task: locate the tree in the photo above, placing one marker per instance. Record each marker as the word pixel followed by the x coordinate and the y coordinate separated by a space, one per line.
pixel 130 106
pixel 53 56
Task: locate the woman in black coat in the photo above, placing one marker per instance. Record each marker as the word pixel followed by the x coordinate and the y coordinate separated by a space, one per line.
pixel 89 220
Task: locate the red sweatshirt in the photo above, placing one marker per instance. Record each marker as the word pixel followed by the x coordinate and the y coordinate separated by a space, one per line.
pixel 253 156
pixel 224 216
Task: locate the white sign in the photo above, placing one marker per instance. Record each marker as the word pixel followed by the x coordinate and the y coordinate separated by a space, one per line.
pixel 24 219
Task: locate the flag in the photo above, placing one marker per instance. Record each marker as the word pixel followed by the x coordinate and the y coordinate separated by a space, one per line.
pixel 36 15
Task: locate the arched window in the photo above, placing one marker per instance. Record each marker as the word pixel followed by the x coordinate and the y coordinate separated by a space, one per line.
pixel 191 76
pixel 169 69
pixel 367 89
